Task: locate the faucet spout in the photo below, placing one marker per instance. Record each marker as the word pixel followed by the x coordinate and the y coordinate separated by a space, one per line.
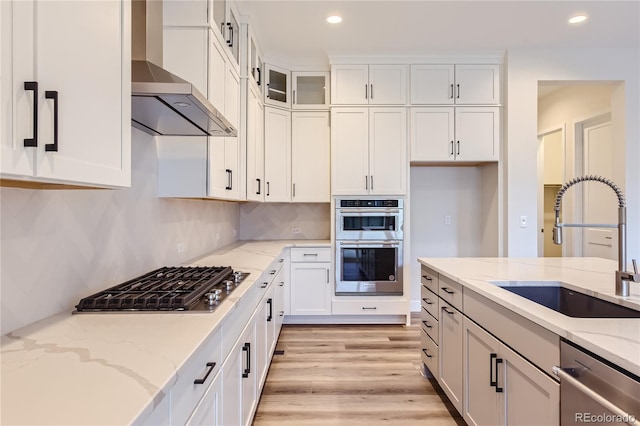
pixel 622 276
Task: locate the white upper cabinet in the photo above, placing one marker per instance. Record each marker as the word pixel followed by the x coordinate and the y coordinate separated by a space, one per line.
pixel 443 134
pixel 368 151
pixel 66 116
pixel 255 61
pixel 277 154
pixel 310 162
pixel 369 84
pixel 463 84
pixel 310 90
pixel 277 90
pixel 255 147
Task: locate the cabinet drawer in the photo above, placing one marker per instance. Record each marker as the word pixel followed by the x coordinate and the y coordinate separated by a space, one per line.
pixel 450 291
pixel 429 279
pixel 429 325
pixel 311 254
pixel 430 302
pixel 369 307
pixel 186 394
pixel 429 353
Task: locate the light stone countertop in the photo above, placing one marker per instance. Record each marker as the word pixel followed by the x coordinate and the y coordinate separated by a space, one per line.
pixel 617 340
pixel 113 369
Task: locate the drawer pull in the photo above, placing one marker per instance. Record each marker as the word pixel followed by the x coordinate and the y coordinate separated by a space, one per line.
pixel 264 285
pixel 444 308
pixel 426 277
pixel 369 308
pixel 426 324
pixel 210 367
pixel 272 272
pixel 427 353
pixel 310 254
pixel 427 301
pixel 447 290
pixel 247 349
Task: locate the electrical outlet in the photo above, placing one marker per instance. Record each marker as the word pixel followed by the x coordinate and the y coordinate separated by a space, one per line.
pixel 295 230
pixel 180 248
pixel 523 221
pixel 447 220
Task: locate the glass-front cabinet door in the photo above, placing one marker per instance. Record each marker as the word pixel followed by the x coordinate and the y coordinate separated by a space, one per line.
pixel 256 66
pixel 310 90
pixel 277 86
pixel 225 19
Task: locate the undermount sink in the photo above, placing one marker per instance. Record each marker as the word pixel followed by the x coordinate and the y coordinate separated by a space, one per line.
pixel 553 295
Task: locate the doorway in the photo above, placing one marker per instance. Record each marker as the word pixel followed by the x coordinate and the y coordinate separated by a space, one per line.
pixel 551 160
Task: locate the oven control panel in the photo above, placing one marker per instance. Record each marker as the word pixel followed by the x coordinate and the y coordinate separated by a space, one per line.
pixel 369 203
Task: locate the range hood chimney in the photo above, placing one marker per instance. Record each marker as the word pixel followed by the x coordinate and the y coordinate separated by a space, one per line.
pixel 161 102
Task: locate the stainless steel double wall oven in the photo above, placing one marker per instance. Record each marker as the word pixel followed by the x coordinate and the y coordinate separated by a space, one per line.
pixel 369 247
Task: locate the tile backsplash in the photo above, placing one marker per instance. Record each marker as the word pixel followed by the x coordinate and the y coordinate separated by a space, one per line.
pixel 60 245
pixel 279 221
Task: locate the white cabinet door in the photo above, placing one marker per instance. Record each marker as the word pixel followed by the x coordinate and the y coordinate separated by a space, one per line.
pixel 387 84
pixel 255 147
pixel 233 146
pixel 189 63
pixel 279 300
pixel 83 100
pixel 432 84
pixel 310 90
pixel 477 133
pixel 482 401
pixel 387 151
pixel 450 356
pixel 350 84
pixel 208 412
pixel 217 73
pixel 277 86
pixel 310 152
pixel 432 134
pixel 232 382
pixel 530 396
pixel 349 151
pixel 310 288
pixel 277 155
pixel 263 337
pixel 477 84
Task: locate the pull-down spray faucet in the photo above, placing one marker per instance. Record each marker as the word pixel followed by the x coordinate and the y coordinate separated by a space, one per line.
pixel 622 276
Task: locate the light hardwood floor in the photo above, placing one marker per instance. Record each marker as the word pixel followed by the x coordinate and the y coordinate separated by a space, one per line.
pixel 351 375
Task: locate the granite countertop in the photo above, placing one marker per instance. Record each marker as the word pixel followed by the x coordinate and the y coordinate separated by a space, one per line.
pixel 115 368
pixel 617 340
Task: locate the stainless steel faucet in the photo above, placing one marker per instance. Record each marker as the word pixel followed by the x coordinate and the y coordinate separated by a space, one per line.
pixel 622 276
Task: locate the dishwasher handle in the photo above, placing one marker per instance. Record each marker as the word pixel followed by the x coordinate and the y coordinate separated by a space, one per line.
pixel 629 419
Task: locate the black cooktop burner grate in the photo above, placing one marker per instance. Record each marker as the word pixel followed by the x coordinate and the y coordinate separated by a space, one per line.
pixel 165 289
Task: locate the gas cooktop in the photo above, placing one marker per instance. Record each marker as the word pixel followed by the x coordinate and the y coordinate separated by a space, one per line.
pixel 167 289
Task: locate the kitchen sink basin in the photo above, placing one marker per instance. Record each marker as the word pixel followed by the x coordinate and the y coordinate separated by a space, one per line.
pixel 553 295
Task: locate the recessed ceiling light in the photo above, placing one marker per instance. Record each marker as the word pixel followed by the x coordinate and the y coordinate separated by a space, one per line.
pixel 577 19
pixel 334 19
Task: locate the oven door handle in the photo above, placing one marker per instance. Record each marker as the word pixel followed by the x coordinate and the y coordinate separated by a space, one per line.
pixel 370 243
pixel 373 211
pixel 564 376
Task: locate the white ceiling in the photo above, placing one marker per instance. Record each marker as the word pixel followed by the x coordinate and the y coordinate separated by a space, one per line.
pixel 296 32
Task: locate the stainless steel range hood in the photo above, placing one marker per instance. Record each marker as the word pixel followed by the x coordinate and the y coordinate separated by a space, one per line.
pixel 161 102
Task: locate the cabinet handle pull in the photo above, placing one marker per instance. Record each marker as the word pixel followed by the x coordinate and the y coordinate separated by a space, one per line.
pixel 327 275
pixel 426 324
pixel 264 285
pixel 427 353
pixel 33 86
pixel 281 283
pixel 427 301
pixel 228 187
pixel 444 308
pixel 492 383
pixel 371 91
pixel 369 308
pixel 366 91
pixel 451 148
pixel 458 90
pixel 498 388
pixel 247 348
pixel 53 94
pixel 426 277
pixel 294 190
pixel 451 97
pixel 310 254
pixel 295 99
pixel 281 313
pixel 259 76
pixel 268 190
pixel 210 367
pixel 458 153
pixel 372 182
pixel 446 290
pixel 259 184
pixel 272 272
pixel 270 316
pixel 366 182
pixel 230 40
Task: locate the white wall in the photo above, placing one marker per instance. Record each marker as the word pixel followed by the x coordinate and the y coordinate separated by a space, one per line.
pixel 275 221
pixel 524 68
pixel 58 246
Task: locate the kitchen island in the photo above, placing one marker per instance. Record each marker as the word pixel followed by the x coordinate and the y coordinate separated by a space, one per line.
pixel 118 368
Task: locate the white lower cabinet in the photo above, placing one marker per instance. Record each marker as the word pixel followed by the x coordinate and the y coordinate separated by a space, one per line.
pixel 451 355
pixel 209 410
pixel 311 288
pixel 502 388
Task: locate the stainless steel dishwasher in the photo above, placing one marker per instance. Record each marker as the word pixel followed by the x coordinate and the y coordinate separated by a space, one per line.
pixel 594 392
